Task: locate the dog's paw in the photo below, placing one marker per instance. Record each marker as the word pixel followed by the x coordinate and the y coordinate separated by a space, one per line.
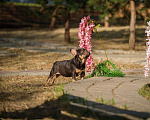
pixel 47 84
pixel 73 80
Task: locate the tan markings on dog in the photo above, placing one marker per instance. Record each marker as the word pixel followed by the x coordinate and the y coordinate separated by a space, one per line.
pixel 83 58
pixel 55 75
pixel 80 71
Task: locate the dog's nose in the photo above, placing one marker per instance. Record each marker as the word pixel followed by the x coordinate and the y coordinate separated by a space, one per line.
pixel 87 56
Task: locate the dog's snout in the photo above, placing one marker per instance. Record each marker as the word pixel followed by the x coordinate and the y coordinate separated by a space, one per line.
pixel 87 54
pixel 83 52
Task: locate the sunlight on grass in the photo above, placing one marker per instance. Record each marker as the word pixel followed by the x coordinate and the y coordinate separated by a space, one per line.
pixel 22 4
pixel 145 91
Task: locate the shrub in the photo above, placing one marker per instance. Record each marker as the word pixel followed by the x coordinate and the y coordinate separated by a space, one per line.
pixel 103 69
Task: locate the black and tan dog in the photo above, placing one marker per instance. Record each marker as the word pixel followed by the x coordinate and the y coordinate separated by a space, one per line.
pixel 70 68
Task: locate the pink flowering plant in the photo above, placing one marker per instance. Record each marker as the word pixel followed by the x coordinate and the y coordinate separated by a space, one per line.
pixel 86 27
pixel 147 64
pixel 84 34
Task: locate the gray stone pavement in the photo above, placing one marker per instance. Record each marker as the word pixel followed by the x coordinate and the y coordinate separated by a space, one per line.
pixel 111 95
pixel 122 92
pixel 26 72
pixel 127 72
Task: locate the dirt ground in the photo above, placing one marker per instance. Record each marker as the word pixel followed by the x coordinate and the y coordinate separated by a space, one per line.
pixel 27 97
pixel 30 60
pixel 112 37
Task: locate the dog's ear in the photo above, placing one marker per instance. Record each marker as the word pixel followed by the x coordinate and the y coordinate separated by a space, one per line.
pixel 73 52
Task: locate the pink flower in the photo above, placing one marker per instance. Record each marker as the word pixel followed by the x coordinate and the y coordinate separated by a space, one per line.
pixel 84 34
pixel 147 64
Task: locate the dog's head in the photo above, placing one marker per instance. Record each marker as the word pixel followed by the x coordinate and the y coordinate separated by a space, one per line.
pixel 81 53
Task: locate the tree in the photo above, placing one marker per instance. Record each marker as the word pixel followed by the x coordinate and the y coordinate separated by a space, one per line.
pixel 57 5
pixel 67 26
pixel 106 8
pixel 53 20
pixel 106 21
pixel 43 3
pixel 70 6
pixel 145 8
pixel 111 7
pixel 132 25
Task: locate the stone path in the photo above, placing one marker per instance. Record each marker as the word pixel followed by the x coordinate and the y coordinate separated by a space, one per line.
pixel 127 72
pixel 120 95
pixel 27 72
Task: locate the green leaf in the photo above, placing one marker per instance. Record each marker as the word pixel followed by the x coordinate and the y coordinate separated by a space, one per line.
pixel 103 70
pixel 97 26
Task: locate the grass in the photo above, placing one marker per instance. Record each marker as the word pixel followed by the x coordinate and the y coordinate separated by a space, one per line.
pixel 59 91
pixel 22 4
pixel 103 69
pixel 108 102
pixel 125 107
pixel 145 91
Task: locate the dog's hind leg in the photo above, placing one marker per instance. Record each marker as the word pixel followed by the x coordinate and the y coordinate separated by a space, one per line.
pixel 50 76
pixel 47 81
pixel 54 77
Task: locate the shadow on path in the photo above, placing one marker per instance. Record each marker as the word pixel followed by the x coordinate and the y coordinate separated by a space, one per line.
pixel 75 108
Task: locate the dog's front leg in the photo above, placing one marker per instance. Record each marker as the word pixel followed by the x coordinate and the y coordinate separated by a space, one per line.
pixel 82 75
pixel 74 75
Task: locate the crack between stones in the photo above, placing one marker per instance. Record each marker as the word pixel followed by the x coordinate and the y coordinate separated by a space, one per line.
pixel 87 89
pixel 114 93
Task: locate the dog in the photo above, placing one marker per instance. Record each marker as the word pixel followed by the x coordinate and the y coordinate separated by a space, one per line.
pixel 70 68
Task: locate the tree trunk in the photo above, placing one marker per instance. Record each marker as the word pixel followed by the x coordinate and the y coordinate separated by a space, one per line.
pixel 67 28
pixel 51 26
pixel 106 21
pixel 146 15
pixel 42 8
pixel 132 25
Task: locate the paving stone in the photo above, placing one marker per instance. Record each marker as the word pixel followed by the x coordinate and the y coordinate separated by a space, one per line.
pixel 123 91
pixel 5 53
pixel 22 73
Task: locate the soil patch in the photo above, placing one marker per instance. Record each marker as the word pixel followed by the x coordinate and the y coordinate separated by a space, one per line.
pixel 29 60
pixel 112 37
pixel 24 60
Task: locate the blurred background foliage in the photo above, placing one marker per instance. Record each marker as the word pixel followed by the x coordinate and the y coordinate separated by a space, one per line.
pixel 68 13
pixel 33 13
